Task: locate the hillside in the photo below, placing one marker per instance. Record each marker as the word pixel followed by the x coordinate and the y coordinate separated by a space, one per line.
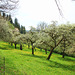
pixel 22 62
pixel 10 25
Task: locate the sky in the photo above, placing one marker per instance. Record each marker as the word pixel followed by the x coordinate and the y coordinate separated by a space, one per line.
pixel 32 12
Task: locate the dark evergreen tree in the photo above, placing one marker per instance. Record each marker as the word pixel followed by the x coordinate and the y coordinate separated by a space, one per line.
pixel 7 17
pixel 21 29
pixel 3 14
pixel 10 19
pixel 16 24
pixel 24 30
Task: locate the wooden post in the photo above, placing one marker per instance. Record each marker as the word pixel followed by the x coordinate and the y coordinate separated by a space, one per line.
pixel 0 13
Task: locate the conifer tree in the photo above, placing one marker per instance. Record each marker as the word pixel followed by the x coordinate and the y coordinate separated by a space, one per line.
pixel 3 14
pixel 16 24
pixel 10 19
pixel 7 17
pixel 21 29
pixel 24 30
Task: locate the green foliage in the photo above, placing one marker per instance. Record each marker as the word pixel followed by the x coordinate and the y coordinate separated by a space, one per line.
pixel 22 30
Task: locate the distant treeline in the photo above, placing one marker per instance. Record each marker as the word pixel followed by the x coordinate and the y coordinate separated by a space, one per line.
pixel 15 23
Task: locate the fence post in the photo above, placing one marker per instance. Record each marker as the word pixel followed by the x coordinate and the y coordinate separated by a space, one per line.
pixel 4 65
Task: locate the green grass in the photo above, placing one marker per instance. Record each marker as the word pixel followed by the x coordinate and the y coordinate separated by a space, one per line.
pixel 10 25
pixel 2 63
pixel 22 62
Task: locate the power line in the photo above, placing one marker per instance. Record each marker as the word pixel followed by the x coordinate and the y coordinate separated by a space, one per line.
pixel 60 11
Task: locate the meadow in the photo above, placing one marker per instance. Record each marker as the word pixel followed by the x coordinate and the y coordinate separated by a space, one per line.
pixel 22 62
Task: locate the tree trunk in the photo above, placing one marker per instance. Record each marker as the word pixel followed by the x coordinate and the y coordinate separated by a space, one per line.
pixel 28 46
pixel 15 45
pixel 63 54
pixel 55 41
pixel 53 49
pixel 0 13
pixel 50 54
pixel 32 49
pixel 45 51
pixel 64 48
pixel 40 49
pixel 11 44
pixel 20 46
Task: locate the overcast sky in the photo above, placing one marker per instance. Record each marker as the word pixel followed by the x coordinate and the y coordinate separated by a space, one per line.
pixel 31 12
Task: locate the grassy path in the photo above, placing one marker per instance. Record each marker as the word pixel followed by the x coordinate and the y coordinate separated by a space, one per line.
pixel 19 62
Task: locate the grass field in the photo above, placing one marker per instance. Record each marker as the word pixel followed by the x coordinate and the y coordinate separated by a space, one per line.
pixel 22 62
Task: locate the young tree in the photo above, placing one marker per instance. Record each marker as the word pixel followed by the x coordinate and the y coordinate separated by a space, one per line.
pixel 14 37
pixel 50 38
pixel 43 41
pixel 65 32
pixel 5 32
pixel 20 39
pixel 41 26
pixel 53 32
pixel 31 37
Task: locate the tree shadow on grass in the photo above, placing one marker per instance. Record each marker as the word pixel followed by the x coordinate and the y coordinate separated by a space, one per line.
pixel 63 66
pixel 67 59
pixel 51 63
pixel 54 64
pixel 30 55
pixel 8 47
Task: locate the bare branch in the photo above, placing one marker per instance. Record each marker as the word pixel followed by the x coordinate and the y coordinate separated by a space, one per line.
pixel 60 11
pixel 8 5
